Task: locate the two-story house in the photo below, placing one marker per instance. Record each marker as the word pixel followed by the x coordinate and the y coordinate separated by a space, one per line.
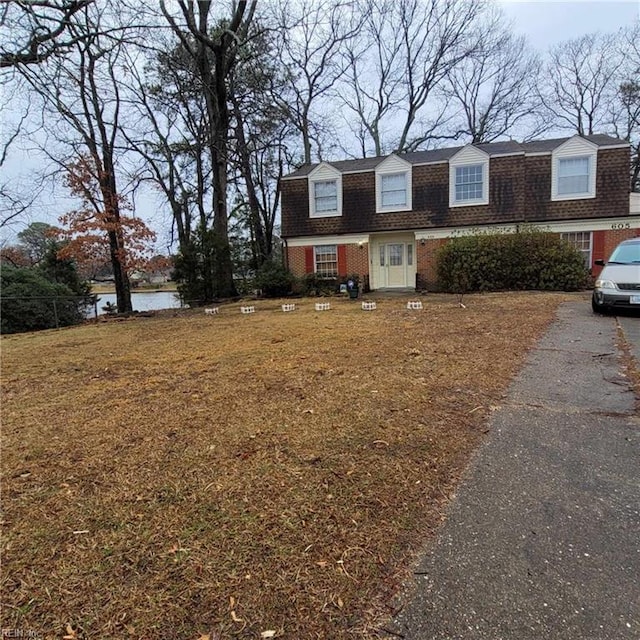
pixel 384 218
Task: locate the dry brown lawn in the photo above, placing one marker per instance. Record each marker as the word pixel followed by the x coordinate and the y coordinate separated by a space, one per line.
pixel 273 475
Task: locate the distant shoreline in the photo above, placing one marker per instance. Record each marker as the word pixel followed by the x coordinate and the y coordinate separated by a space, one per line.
pixel 110 289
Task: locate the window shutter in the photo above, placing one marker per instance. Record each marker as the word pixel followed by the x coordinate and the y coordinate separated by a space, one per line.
pixel 598 245
pixel 342 260
pixel 598 251
pixel 309 266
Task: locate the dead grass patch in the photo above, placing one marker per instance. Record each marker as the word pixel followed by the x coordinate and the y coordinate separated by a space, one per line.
pixel 182 476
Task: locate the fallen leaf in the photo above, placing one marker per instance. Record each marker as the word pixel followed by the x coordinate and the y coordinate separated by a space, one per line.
pixel 340 603
pixel 235 618
pixel 71 634
pixel 268 634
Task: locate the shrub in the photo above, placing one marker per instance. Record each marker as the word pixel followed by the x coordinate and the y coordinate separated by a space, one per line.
pixel 27 302
pixel 274 280
pixel 529 260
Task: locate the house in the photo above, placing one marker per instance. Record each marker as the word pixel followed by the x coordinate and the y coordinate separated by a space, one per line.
pixel 384 218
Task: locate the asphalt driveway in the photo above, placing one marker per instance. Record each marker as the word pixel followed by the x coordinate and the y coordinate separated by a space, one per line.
pixel 543 538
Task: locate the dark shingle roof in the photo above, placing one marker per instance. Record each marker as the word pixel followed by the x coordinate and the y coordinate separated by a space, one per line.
pixel 442 155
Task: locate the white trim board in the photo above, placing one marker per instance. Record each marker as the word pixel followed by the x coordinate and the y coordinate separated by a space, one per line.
pixel 564 226
pixel 307 241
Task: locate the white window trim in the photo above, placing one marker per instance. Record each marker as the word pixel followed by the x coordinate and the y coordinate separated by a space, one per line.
pixel 578 148
pixel 315 259
pixel 391 166
pixel 588 252
pixel 471 157
pixel 324 172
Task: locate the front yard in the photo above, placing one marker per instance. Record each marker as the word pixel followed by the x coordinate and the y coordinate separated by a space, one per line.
pixel 231 476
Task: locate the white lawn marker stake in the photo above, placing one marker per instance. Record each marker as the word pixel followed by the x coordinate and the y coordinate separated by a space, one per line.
pixel 369 306
pixel 414 304
pixel 247 309
pixel 323 306
pixel 288 307
pixel 212 312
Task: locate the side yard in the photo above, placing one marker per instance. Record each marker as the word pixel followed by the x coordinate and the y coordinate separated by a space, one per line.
pixel 232 476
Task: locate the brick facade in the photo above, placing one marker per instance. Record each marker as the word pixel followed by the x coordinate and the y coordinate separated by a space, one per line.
pixel 356 258
pixel 519 191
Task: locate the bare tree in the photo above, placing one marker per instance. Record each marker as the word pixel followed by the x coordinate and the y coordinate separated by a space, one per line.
pixel 372 97
pixel 81 94
pixel 31 31
pixel 409 48
pixel 494 86
pixel 213 49
pixel 313 36
pixel 261 139
pixel 171 137
pixel 625 110
pixel 580 82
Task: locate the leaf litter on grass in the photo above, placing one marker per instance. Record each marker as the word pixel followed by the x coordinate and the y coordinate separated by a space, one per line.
pixel 259 476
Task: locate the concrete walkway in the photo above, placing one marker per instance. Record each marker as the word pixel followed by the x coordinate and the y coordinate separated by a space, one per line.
pixel 543 538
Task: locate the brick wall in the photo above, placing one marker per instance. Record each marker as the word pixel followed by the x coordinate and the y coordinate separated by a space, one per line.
pixel 357 260
pixel 426 255
pixel 613 238
pixel 357 257
pixel 296 261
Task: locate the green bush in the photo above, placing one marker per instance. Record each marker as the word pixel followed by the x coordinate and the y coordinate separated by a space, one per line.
pixel 521 261
pixel 27 302
pixel 274 280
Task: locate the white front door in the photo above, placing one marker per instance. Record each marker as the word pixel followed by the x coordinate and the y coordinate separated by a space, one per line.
pixel 395 264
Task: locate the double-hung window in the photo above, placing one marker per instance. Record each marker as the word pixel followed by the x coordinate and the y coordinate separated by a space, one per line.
pixel 574 167
pixel 469 177
pixel 325 195
pixel 393 190
pixel 469 183
pixel 393 185
pixel 581 240
pixel 325 192
pixel 326 260
pixel 573 176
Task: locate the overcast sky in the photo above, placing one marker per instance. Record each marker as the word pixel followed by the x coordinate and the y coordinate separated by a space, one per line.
pixel 547 22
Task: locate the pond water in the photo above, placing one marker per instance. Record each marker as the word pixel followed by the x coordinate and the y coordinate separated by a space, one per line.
pixel 142 301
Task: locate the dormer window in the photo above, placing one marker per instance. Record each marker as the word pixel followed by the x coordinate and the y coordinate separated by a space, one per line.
pixel 573 170
pixel 393 190
pixel 573 176
pixel 393 185
pixel 325 192
pixel 469 178
pixel 469 183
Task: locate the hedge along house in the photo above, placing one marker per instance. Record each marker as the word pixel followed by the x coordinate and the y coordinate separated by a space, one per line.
pixel 384 218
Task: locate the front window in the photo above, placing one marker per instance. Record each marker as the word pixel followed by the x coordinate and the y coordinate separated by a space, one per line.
pixel 326 260
pixel 393 190
pixel 573 176
pixel 469 182
pixel 325 196
pixel 581 240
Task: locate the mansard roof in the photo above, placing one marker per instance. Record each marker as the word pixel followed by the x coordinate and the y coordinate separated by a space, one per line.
pixel 508 147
